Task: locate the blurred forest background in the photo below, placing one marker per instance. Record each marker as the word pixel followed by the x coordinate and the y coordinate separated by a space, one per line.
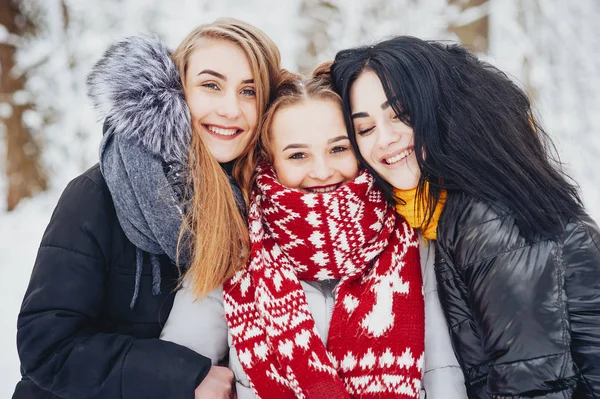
pixel 49 132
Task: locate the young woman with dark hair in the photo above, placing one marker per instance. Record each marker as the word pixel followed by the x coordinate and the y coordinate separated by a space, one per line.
pixel 455 144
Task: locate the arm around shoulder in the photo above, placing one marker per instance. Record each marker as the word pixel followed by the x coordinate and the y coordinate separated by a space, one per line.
pixel 62 348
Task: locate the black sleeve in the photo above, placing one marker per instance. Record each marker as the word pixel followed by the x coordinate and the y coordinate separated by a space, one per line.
pixel 581 257
pixel 517 309
pixel 59 341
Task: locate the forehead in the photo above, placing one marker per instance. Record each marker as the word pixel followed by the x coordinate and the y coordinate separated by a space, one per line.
pixel 310 121
pixel 219 55
pixel 367 91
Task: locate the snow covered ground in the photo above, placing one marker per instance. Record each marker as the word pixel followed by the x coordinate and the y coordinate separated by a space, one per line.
pixel 562 51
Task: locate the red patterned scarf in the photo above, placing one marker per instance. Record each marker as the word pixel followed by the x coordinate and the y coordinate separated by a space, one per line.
pixel 376 335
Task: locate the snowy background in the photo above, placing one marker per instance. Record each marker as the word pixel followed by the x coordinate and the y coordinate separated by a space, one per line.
pixel 551 46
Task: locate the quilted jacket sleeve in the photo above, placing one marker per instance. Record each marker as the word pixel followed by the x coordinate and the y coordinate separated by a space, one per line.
pixel 59 340
pixel 518 306
pixel 581 257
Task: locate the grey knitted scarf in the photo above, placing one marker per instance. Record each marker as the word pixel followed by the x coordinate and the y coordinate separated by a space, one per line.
pixel 136 88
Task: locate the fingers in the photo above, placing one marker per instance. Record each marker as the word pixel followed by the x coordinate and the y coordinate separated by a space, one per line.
pixel 218 383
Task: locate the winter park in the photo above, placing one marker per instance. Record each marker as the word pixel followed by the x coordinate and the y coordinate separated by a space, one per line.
pixel 323 221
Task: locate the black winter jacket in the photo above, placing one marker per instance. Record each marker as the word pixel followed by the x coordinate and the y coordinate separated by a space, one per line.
pixel 77 336
pixel 524 315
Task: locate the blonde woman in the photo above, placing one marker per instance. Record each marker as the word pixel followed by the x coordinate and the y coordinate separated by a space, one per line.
pixel 179 134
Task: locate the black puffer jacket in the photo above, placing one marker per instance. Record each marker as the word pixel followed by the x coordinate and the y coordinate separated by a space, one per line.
pixel 524 316
pixel 77 336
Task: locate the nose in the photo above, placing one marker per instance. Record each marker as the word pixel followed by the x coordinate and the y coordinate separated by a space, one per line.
pixel 229 106
pixel 386 136
pixel 322 169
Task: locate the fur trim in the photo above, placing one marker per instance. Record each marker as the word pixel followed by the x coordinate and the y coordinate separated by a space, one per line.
pixel 137 88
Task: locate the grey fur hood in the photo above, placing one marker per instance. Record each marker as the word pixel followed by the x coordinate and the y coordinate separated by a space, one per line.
pixel 136 89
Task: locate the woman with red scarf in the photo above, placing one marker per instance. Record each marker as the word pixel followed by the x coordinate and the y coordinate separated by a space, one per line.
pixel 330 303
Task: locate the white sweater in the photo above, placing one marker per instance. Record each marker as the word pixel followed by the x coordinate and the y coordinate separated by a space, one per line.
pixel 201 326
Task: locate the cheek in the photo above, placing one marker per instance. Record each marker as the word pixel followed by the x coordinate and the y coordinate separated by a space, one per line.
pixel 198 105
pixel 287 174
pixel 349 167
pixel 414 164
pixel 365 147
pixel 251 115
pixel 291 177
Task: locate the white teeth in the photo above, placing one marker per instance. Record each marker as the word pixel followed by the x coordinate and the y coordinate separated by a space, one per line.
pixel 321 190
pixel 399 157
pixel 222 132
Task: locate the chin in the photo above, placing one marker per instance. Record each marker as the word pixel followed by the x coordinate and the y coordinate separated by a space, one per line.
pixel 226 159
pixel 226 156
pixel 405 184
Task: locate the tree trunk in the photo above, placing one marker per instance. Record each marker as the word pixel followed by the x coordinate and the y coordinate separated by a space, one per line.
pixel 24 176
pixel 472 26
pixel 316 18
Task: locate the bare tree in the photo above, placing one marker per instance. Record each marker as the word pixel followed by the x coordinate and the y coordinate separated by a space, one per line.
pixel 472 24
pixel 318 22
pixel 24 175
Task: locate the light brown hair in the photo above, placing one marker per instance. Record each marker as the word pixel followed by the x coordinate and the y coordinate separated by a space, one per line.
pixel 293 89
pixel 213 226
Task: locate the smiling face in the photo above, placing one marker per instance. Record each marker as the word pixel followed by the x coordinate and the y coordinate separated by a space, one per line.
pixel 220 92
pixel 384 141
pixel 310 147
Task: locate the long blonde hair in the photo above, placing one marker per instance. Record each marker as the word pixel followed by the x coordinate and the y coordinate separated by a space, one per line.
pixel 213 227
pixel 293 89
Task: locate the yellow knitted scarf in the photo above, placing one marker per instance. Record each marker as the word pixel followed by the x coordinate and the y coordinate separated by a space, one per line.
pixel 415 213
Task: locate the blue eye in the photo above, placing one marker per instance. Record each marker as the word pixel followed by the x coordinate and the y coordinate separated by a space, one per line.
pixel 249 92
pixel 211 85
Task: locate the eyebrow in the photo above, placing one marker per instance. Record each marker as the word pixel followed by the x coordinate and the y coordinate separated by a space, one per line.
pixel 336 139
pixel 221 76
pixel 291 146
pixel 385 105
pixel 330 141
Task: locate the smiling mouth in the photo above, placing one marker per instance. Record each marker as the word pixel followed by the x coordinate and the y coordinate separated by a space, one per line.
pixel 222 132
pixel 323 189
pixel 398 157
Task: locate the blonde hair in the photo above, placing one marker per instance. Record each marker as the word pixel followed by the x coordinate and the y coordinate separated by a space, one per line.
pixel 213 226
pixel 293 89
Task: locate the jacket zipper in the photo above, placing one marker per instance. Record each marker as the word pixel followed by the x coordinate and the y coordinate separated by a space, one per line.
pixel 329 302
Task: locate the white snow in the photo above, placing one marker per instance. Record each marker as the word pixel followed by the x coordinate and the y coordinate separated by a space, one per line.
pixel 556 39
pixel 6 110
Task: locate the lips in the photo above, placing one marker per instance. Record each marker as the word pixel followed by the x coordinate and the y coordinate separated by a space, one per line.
pixel 223 132
pixel 398 156
pixel 323 189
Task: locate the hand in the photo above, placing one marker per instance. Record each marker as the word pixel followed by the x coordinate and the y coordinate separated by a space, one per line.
pixel 217 384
